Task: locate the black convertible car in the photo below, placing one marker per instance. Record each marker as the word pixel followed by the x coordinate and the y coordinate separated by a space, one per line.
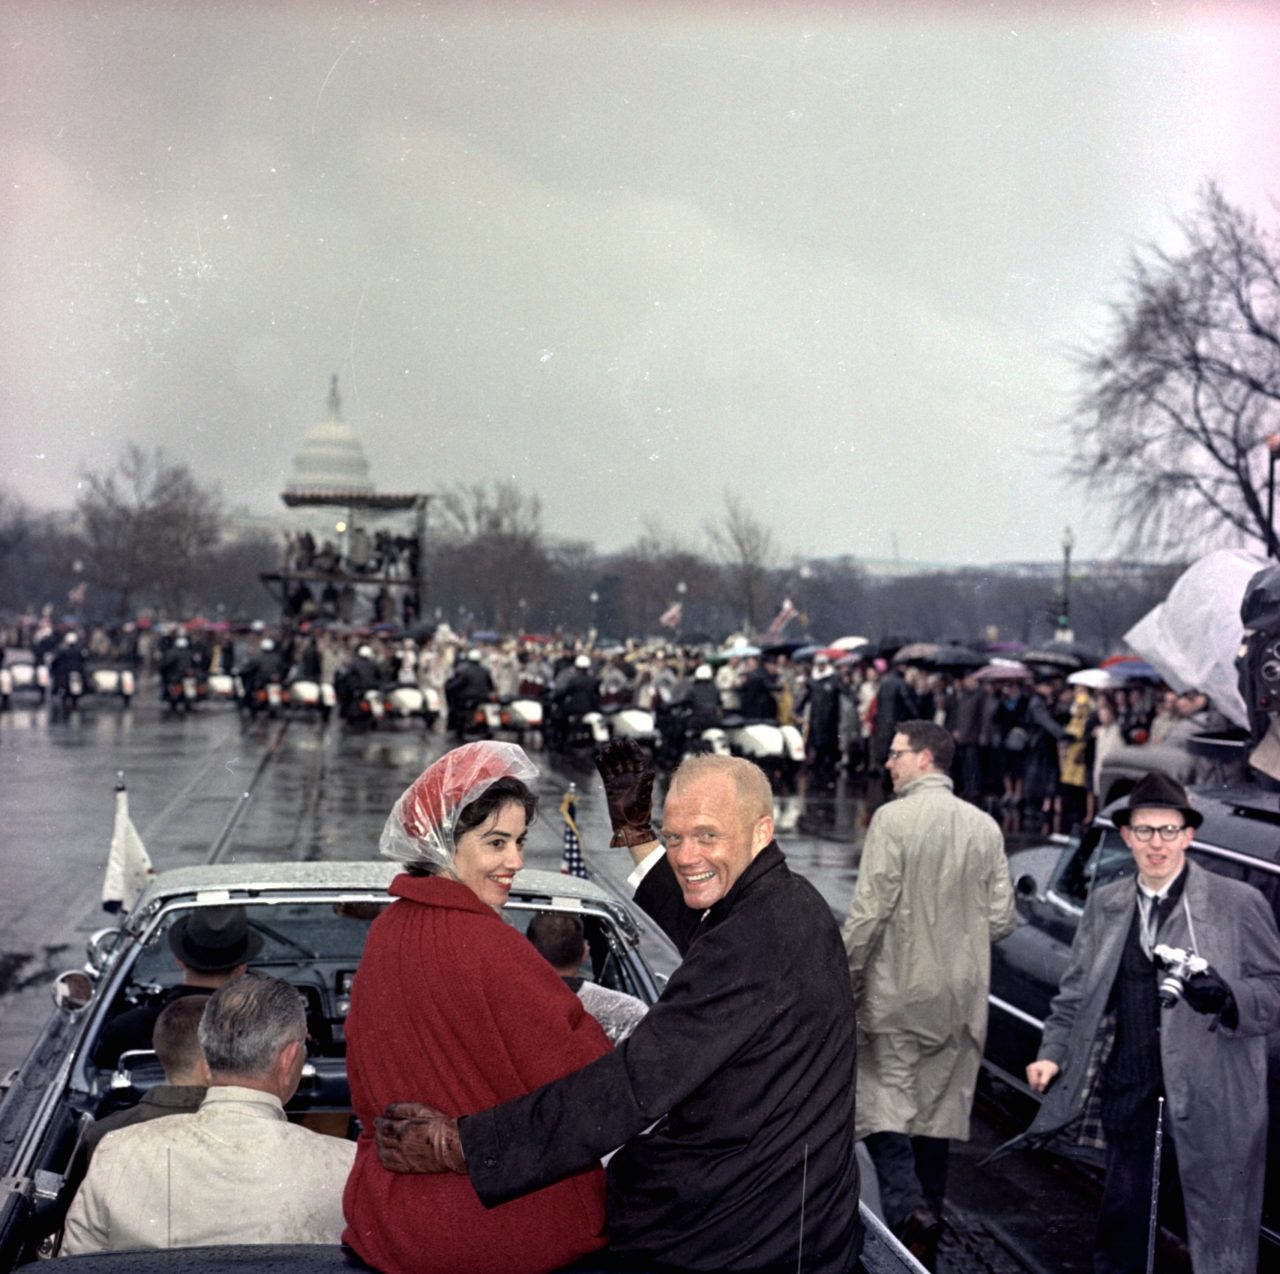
pixel 313 918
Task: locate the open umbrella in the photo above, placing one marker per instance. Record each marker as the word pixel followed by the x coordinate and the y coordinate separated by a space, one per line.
pixel 1134 670
pixel 1060 654
pixel 1004 671
pixel 916 652
pixel 957 658
pixel 849 643
pixel 1092 679
pixel 805 653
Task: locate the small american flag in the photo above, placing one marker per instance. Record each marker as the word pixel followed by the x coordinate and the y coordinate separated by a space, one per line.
pixel 784 616
pixel 571 863
pixel 670 618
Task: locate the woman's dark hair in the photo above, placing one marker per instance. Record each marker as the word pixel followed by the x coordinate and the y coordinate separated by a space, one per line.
pixel 506 791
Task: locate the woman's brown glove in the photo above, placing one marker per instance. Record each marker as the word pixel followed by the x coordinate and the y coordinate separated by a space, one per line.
pixel 627 774
pixel 415 1138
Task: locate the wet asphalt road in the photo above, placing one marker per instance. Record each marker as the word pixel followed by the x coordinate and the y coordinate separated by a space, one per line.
pixel 255 791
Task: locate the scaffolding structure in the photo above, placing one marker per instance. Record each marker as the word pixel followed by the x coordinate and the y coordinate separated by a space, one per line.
pixel 336 563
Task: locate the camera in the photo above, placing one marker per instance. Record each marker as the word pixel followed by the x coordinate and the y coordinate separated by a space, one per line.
pixel 1178 966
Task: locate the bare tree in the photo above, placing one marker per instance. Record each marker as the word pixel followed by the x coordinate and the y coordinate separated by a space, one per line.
pixel 490 552
pixel 748 551
pixel 147 525
pixel 38 556
pixel 1183 390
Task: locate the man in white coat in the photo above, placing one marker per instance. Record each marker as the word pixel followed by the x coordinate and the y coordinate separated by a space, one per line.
pixel 933 894
pixel 236 1171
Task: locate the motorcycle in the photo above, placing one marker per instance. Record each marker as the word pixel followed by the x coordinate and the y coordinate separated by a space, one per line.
pixel 24 672
pixel 311 696
pixel 113 681
pixel 179 693
pixel 225 686
pixel 268 697
pixel 626 722
pixel 407 700
pixel 72 690
pixel 368 707
pixel 588 730
pixel 777 749
pixel 510 714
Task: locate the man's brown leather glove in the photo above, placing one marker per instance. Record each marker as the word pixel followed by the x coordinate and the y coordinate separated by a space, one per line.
pixel 415 1138
pixel 627 774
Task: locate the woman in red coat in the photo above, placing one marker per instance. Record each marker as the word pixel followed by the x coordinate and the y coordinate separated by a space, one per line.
pixel 453 1006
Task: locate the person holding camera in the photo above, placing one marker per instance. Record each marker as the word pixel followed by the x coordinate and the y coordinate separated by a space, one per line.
pixel 1172 986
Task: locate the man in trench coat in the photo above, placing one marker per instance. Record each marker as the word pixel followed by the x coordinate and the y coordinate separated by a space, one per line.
pixel 933 894
pixel 733 1098
pixel 1109 1051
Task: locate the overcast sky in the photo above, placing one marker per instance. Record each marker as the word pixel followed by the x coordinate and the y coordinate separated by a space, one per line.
pixel 833 256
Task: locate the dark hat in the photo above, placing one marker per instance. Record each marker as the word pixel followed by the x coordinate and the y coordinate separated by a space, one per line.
pixel 1158 791
pixel 214 939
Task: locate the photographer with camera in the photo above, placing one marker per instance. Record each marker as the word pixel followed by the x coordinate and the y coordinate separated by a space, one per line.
pixel 1171 989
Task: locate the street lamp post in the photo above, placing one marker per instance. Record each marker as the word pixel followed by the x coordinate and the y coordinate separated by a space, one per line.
pixel 594 599
pixel 1064 619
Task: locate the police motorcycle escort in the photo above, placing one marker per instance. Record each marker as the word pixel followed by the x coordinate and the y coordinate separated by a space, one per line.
pixel 624 718
pixel 23 670
pixel 104 680
pixel 468 687
pixel 753 731
pixel 262 680
pixel 179 686
pixel 305 688
pixel 690 722
pixel 574 719
pixel 359 688
pixel 405 697
pixel 67 673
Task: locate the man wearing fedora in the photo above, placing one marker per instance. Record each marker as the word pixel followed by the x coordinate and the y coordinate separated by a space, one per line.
pixel 212 945
pixel 1110 1050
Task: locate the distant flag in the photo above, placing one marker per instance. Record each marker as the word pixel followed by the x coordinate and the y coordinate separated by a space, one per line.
pixel 128 867
pixel 671 617
pixel 571 863
pixel 782 618
pixel 76 595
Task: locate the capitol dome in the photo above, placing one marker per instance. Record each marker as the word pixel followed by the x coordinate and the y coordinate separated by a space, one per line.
pixel 330 460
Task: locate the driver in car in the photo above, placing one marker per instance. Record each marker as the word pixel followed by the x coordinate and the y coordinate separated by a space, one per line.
pixel 212 945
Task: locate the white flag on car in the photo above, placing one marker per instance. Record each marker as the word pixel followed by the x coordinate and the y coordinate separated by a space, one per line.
pixel 128 866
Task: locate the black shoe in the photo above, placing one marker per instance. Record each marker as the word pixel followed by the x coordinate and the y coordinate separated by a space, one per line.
pixel 920 1233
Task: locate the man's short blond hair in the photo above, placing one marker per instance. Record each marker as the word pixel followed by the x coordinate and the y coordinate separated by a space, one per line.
pixel 755 796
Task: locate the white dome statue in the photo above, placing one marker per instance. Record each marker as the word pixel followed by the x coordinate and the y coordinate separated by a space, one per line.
pixel 330 460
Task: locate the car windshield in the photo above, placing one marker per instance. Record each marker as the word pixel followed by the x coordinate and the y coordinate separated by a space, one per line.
pixel 292 932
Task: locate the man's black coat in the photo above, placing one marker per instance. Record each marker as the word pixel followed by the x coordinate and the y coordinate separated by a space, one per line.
pixel 745 1070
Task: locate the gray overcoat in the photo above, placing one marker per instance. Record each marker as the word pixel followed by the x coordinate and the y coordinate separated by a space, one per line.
pixel 1215 1081
pixel 933 894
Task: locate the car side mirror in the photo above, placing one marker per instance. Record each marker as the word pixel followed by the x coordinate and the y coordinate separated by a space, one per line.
pixel 72 990
pixel 101 946
pixel 1026 886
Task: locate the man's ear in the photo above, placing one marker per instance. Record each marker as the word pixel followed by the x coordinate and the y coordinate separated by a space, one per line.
pixel 762 834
